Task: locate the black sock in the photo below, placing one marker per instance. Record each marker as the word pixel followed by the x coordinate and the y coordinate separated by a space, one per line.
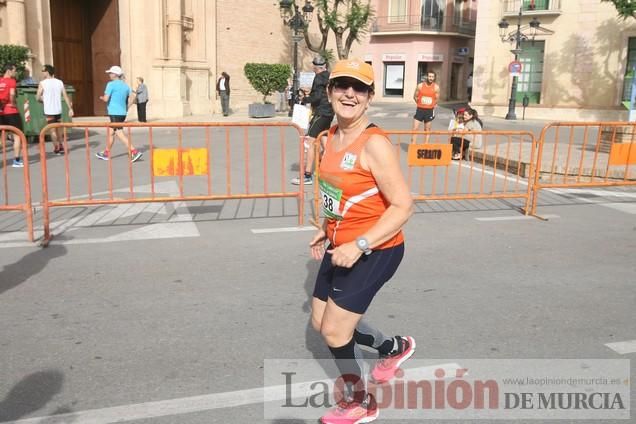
pixel 350 369
pixel 308 174
pixel 387 347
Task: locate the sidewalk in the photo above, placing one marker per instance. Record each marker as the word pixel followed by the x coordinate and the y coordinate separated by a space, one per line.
pixel 388 115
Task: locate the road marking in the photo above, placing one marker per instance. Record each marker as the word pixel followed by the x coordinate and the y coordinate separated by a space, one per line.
pixel 511 178
pixel 282 230
pixel 515 218
pixel 141 411
pixel 597 192
pixel 629 208
pixel 623 347
pixel 176 225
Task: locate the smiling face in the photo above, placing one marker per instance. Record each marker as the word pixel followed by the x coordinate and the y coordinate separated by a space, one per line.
pixel 349 98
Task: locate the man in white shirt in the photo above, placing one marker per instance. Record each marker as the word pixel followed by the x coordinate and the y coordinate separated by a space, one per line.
pixel 50 93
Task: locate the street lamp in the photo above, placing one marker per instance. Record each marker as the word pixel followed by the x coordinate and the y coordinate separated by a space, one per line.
pixel 297 21
pixel 517 37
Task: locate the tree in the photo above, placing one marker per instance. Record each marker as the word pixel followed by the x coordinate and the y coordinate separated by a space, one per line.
pixel 267 78
pixel 17 55
pixel 626 8
pixel 349 20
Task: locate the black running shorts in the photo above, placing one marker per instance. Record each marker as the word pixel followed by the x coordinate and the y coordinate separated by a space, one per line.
pixel 117 118
pixel 52 119
pixel 354 288
pixel 13 120
pixel 318 124
pixel 424 115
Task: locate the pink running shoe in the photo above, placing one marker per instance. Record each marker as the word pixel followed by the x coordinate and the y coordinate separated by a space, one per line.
pixel 353 412
pixel 387 366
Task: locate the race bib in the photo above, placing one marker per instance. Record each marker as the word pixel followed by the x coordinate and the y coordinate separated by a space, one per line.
pixel 426 100
pixel 330 196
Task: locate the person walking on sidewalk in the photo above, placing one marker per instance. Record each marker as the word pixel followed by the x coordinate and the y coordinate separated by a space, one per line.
pixel 9 114
pixel 321 118
pixel 50 93
pixel 366 202
pixel 223 91
pixel 426 97
pixel 117 98
pixel 141 98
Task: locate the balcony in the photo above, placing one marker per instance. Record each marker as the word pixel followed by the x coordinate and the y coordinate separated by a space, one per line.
pixel 463 27
pixel 532 7
pixel 419 23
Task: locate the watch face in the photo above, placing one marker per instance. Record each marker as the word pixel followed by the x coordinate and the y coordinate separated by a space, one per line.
pixel 363 244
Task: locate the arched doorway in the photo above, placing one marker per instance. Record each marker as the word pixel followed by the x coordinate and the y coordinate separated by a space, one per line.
pixel 85 36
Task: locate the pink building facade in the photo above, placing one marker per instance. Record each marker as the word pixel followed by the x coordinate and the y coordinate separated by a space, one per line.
pixel 412 37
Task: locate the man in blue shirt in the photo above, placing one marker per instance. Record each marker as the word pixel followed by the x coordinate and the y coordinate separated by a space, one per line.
pixel 117 99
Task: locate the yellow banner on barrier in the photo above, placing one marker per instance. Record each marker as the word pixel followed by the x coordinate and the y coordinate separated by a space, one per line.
pixel 430 154
pixel 174 162
pixel 623 154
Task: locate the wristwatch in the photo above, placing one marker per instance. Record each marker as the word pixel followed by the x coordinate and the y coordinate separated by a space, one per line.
pixel 363 244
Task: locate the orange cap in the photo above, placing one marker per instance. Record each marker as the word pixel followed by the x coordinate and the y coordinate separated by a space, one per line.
pixel 353 68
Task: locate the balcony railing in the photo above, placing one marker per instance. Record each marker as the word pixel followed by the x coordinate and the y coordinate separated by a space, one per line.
pixel 418 23
pixel 532 7
pixel 462 27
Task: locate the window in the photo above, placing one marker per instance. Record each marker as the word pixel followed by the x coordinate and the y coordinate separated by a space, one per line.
pixel 536 4
pixel 458 12
pixel 433 14
pixel 397 11
pixel 531 78
pixel 394 79
pixel 629 76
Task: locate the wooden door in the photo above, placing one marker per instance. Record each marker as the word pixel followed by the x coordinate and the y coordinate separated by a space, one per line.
pixel 71 51
pixel 85 43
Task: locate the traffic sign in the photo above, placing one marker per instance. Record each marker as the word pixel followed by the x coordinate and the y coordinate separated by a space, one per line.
pixel 514 68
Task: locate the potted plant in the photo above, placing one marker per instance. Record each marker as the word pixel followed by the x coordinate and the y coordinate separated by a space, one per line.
pixel 266 79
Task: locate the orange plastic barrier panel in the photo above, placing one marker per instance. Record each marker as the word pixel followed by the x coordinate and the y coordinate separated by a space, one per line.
pixel 16 180
pixel 180 162
pixel 447 165
pixel 585 154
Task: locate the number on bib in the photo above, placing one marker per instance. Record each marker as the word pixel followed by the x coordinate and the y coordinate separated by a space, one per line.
pixel 427 100
pixel 330 196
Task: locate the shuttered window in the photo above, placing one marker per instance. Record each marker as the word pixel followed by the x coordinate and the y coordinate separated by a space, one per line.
pixel 629 75
pixel 397 10
pixel 531 78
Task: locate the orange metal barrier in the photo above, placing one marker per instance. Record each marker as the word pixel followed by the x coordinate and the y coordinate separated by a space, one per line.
pixel 502 168
pixel 24 203
pixel 577 154
pixel 206 161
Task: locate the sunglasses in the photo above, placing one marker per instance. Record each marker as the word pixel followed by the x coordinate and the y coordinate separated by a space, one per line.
pixel 341 85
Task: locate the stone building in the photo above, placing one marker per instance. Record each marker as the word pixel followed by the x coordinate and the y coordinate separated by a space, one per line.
pixel 180 47
pixel 408 38
pixel 574 68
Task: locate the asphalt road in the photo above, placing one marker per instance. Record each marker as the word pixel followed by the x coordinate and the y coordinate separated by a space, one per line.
pixel 166 313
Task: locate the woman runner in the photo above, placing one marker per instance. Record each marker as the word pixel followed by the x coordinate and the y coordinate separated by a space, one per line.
pixel 366 202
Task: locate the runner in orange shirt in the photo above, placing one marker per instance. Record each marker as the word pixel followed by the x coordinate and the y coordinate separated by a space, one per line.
pixel 426 97
pixel 366 202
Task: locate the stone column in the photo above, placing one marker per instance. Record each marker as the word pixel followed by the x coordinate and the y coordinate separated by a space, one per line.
pixel 170 100
pixel 175 30
pixel 16 20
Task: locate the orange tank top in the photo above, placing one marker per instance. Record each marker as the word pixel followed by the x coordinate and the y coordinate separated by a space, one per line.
pixel 427 97
pixel 351 200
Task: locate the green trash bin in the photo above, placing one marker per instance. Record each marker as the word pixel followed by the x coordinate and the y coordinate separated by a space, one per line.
pixel 27 96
